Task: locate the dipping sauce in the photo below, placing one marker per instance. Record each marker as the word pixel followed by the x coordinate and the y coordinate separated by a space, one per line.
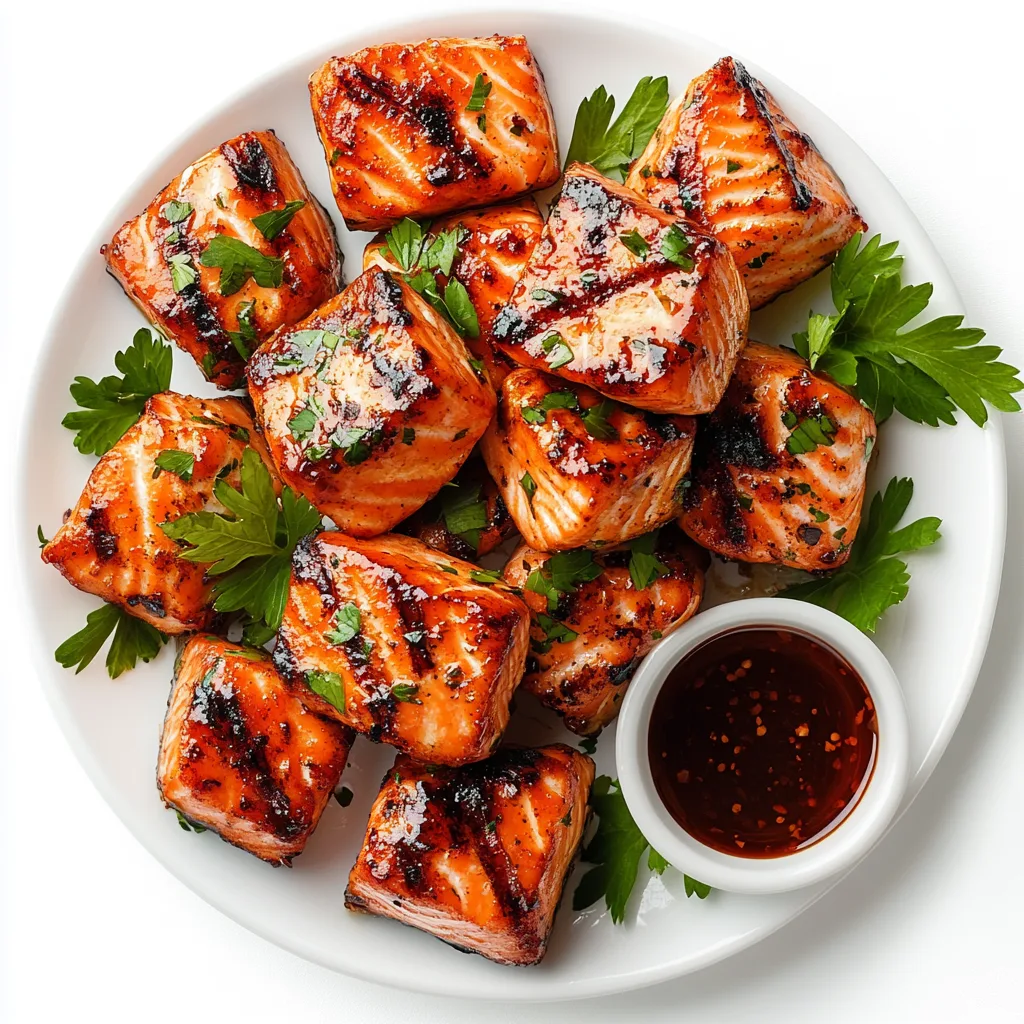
pixel 761 741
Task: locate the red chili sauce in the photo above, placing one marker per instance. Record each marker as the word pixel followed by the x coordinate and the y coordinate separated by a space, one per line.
pixel 761 741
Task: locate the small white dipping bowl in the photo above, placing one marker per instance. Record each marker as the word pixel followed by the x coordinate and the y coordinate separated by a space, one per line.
pixel 838 849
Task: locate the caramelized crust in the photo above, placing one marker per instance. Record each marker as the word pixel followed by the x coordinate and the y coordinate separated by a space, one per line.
pixel 370 405
pixel 433 665
pixel 240 754
pixel 401 141
pixel 496 244
pixel 754 500
pixel 111 544
pixel 727 156
pixel 244 177
pixel 477 856
pixel 612 626
pixel 588 490
pixel 661 334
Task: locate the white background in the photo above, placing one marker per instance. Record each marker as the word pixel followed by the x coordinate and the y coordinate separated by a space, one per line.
pixel 929 929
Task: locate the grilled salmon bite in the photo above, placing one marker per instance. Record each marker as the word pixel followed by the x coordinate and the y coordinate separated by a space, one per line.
pixel 628 300
pixel 398 641
pixel 371 405
pixel 494 246
pixel 111 544
pixel 780 467
pixel 421 130
pixel 727 156
pixel 240 755
pixel 584 652
pixel 163 258
pixel 576 469
pixel 477 856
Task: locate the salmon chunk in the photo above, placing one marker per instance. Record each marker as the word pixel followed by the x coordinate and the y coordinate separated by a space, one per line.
pixel 575 469
pixel 370 405
pixel 111 544
pixel 780 467
pixel 583 652
pixel 398 641
pixel 240 755
pixel 726 156
pixel 493 247
pixel 232 207
pixel 418 131
pixel 467 519
pixel 630 301
pixel 477 856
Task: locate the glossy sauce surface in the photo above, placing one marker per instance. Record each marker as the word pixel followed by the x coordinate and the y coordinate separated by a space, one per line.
pixel 761 741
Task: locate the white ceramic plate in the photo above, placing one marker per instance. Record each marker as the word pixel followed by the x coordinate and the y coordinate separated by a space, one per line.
pixel 935 640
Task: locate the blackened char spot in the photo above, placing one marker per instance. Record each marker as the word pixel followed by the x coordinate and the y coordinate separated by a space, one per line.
pixel 802 195
pixel 600 209
pixel 308 566
pixel 104 540
pixel 734 439
pixel 251 163
pixel 437 122
pixel 809 534
pixel 153 603
pixel 510 326
pixel 406 599
pixel 386 300
pixel 440 174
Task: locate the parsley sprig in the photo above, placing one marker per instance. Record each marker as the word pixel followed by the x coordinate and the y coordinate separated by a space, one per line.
pixel 615 851
pixel 611 147
pixel 873 579
pixel 133 640
pixel 249 548
pixel 562 574
pixel 421 256
pixel 925 373
pixel 111 405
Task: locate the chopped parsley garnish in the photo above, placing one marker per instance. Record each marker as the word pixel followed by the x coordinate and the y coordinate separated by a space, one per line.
pixel 807 434
pixel 249 547
pixel 557 352
pixel 347 623
pixel 554 632
pixel 328 685
pixel 244 339
pixel 238 262
pixel 464 512
pixel 481 123
pixel 644 567
pixel 873 579
pixel 188 826
pixel 615 851
pixel 611 147
pixel 304 422
pixel 180 463
pixel 112 404
pixel 481 90
pixel 588 744
pixel 925 373
pixel 562 573
pixel 545 295
pixel 732 166
pixel 273 222
pixel 552 400
pixel 175 212
pixel 676 247
pixel 408 435
pixel 485 576
pixel 595 419
pixel 183 271
pixel 635 243
pixel 133 640
pixel 41 537
pixel 527 484
pixel 406 692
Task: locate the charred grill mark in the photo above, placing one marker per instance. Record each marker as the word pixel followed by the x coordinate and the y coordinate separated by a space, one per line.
pixel 309 566
pixel 386 301
pixel 802 195
pixel 218 709
pixel 600 210
pixel 406 599
pixel 103 539
pixel 431 113
pixel 153 603
pixel 251 164
pixel 733 438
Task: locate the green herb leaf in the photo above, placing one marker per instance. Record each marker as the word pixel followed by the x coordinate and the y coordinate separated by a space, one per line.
pixel 113 404
pixel 249 547
pixel 273 222
pixel 552 400
pixel 695 888
pixel 443 250
pixel 676 247
pixel 731 166
pixel 41 537
pixel 588 744
pixel 656 862
pixel 238 262
pixel 188 826
pixel 557 351
pixel 405 243
pixel 610 148
pixel 926 372
pixel 133 639
pixel 595 419
pixel 872 580
pixel 481 90
pixel 406 692
pixel 562 573
pixel 348 622
pixel 183 271
pixel 175 212
pixel 328 685
pixel 180 463
pixel 244 339
pixel 527 484
pixel 635 243
pixel 460 309
pixel 809 433
pixel 644 567
pixel 485 576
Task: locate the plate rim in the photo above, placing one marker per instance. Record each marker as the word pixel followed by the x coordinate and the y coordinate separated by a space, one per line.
pixel 570 990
